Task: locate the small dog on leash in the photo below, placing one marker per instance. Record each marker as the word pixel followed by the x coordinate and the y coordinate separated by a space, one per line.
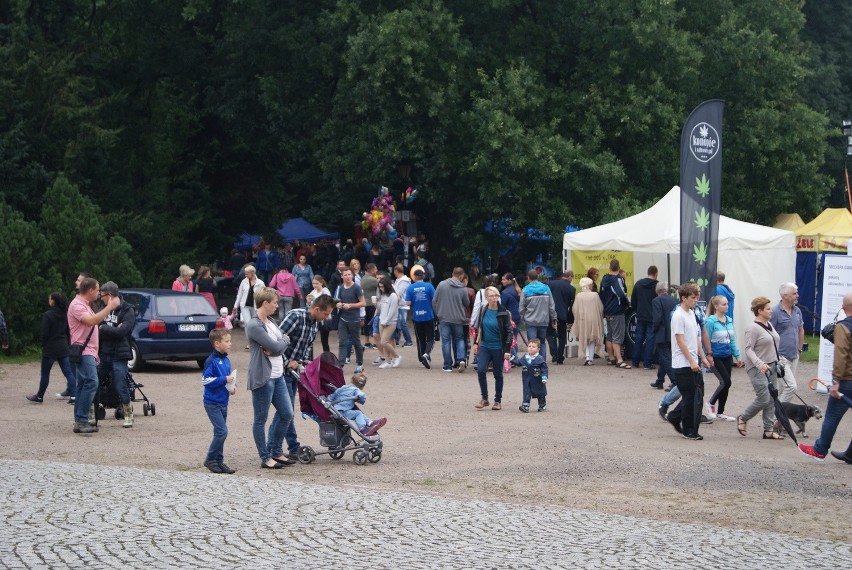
pixel 799 414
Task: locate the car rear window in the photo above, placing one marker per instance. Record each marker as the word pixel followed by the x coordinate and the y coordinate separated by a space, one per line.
pixel 184 305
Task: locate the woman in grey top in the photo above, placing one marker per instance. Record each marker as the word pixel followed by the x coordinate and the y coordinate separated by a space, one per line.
pixel 760 359
pixel 266 380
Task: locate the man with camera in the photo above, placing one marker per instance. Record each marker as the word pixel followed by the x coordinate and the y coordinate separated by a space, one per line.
pixel 787 320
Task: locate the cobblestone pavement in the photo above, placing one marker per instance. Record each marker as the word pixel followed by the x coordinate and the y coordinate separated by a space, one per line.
pixel 59 515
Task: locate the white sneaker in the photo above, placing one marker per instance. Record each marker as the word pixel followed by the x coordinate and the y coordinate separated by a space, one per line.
pixel 711 410
pixel 726 417
pixel 428 357
pixel 378 360
pixel 395 362
pixel 385 365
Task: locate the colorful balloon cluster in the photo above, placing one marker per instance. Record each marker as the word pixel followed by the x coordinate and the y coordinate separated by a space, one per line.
pixel 379 219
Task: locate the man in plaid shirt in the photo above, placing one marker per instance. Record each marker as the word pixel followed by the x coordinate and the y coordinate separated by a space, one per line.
pixel 300 326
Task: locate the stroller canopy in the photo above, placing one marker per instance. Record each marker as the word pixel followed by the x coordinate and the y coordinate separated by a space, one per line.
pixel 320 378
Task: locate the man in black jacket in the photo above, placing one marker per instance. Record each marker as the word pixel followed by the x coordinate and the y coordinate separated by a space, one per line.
pixel 114 351
pixel 643 294
pixel 661 317
pixel 563 296
pixel 613 292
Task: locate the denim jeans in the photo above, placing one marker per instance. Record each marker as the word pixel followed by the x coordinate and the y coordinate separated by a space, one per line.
pixel 356 416
pixel 539 332
pixel 644 335
pixel 402 327
pixel 452 341
pixel 218 415
pixel 67 370
pixel 290 433
pixel 285 305
pixel 87 386
pixel 493 356
pixel 664 354
pixel 118 369
pixel 834 411
pixel 349 332
pixel 671 397
pixel 274 393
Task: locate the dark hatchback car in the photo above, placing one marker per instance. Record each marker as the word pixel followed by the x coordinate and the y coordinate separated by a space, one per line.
pixel 170 325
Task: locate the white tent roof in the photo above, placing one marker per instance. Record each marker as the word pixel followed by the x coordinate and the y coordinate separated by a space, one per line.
pixel 755 259
pixel 657 230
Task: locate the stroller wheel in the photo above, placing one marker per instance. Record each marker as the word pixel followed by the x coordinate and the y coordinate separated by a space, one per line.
pixel 153 409
pixel 100 412
pixel 306 455
pixel 337 454
pixel 145 409
pixel 375 455
pixel 359 457
pixel 119 413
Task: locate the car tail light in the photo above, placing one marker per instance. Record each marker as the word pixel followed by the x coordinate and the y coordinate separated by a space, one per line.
pixel 220 323
pixel 157 327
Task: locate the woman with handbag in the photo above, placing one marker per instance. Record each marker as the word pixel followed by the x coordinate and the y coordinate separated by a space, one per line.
pixel 761 361
pixel 493 345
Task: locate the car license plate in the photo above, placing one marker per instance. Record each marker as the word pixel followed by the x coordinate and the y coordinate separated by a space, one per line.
pixel 199 327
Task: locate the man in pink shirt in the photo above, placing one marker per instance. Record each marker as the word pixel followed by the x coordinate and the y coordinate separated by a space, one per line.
pixel 83 324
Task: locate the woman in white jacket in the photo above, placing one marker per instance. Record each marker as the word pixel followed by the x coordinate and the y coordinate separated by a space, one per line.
pixel 245 295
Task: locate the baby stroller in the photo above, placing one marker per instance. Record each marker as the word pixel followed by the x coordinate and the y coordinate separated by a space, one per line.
pixel 107 397
pixel 316 382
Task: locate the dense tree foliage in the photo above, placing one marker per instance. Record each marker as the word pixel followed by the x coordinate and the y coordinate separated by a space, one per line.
pixel 174 125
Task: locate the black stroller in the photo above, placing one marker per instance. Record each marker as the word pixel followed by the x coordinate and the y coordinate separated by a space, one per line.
pixel 316 382
pixel 107 397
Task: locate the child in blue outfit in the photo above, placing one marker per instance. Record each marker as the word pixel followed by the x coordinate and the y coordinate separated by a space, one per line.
pixel 219 385
pixel 533 376
pixel 344 399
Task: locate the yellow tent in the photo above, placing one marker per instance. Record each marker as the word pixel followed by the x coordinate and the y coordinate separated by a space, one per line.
pixel 789 222
pixel 830 231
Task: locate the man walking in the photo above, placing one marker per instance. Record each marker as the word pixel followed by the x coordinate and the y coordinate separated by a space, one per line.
pixel 449 305
pixel 787 320
pixel 419 296
pixel 267 263
pixel 644 292
pixel 841 384
pixel 613 292
pixel 538 310
pixel 400 285
pixel 82 323
pixel 661 317
pixel 351 299
pixel 563 293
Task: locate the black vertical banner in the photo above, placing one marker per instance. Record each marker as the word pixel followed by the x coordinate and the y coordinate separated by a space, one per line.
pixel 701 195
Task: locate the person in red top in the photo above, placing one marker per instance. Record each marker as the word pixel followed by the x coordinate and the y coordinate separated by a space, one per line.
pixel 83 324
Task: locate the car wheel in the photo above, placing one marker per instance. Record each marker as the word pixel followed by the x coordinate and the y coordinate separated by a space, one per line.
pixel 135 364
pixel 201 362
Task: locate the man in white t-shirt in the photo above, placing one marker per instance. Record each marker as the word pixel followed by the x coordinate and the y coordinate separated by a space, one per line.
pixel 687 359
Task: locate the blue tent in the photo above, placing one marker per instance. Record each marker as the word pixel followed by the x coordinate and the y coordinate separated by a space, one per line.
pixel 294 229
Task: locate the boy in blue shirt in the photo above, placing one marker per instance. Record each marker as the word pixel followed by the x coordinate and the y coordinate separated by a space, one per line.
pixel 534 376
pixel 219 385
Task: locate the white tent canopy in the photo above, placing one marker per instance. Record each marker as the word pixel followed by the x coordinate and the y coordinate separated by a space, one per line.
pixel 755 259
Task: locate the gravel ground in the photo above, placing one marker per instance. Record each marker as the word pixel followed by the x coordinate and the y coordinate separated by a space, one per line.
pixel 599 446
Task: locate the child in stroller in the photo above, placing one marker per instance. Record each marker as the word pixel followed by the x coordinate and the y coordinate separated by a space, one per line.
pixel 343 399
pixel 321 378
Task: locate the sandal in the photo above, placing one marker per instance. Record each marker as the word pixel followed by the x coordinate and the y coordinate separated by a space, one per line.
pixel 741 426
pixel 772 435
pixel 610 361
pixel 623 365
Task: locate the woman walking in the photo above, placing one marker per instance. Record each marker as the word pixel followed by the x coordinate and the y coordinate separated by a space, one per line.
pixel 719 333
pixel 319 288
pixel 492 346
pixel 304 275
pixel 761 360
pixel 387 312
pixel 54 348
pixel 205 285
pixel 266 381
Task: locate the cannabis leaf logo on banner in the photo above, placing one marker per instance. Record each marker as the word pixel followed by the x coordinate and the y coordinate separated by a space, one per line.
pixel 702 186
pixel 702 219
pixel 699 252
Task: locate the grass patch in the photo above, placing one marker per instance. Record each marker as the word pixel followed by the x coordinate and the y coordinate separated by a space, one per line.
pixel 812 354
pixel 28 354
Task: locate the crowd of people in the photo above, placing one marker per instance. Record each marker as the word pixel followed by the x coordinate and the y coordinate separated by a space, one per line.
pixel 478 320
